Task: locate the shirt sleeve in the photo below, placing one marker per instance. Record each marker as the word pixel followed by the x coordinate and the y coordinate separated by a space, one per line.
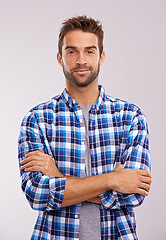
pixel 135 156
pixel 43 193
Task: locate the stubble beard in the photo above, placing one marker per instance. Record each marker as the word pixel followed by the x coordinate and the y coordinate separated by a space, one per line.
pixel 75 80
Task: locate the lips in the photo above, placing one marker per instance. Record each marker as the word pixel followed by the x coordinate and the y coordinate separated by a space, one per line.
pixel 81 71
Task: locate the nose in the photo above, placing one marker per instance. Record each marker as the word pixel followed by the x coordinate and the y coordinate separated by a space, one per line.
pixel 81 60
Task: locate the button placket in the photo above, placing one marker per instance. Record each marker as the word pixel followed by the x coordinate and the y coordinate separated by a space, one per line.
pixel 82 143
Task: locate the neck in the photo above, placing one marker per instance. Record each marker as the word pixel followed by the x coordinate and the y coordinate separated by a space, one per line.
pixel 84 95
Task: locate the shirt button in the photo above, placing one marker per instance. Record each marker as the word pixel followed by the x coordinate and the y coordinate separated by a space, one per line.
pixel 82 167
pixel 76 216
pixel 82 143
pixel 81 120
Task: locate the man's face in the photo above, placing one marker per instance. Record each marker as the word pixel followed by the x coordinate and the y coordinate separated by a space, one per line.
pixel 80 57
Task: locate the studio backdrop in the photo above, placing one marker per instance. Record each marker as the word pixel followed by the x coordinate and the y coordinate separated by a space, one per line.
pixel 134 70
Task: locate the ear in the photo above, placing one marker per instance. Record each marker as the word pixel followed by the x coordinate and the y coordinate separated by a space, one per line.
pixel 59 59
pixel 102 57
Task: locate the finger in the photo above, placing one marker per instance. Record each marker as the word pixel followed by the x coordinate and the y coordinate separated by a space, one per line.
pixel 26 166
pixel 34 169
pixel 26 160
pixel 145 186
pixel 121 166
pixel 30 164
pixel 147 180
pixel 31 158
pixel 31 153
pixel 142 192
pixel 144 173
pixel 37 152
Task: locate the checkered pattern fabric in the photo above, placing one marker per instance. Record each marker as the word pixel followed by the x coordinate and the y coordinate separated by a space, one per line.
pixel 118 134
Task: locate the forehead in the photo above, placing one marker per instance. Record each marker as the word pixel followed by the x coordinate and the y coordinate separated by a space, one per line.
pixel 80 39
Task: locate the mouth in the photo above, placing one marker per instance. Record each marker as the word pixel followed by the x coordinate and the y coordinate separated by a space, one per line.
pixel 81 71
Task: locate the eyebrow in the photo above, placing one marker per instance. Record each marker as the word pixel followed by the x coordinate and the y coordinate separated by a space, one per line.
pixel 73 47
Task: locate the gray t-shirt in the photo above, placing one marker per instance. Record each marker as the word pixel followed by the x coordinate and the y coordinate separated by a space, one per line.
pixel 90 223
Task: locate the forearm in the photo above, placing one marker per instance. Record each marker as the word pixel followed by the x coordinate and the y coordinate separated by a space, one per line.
pixel 83 189
pixel 125 181
pixel 76 190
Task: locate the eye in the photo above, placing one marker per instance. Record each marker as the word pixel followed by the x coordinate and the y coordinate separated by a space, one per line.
pixel 71 52
pixel 90 52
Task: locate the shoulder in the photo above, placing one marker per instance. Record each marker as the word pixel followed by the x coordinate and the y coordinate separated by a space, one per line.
pixel 42 109
pixel 121 105
pixel 46 106
pixel 124 110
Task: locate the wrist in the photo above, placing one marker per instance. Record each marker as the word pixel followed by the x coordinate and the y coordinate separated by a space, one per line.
pixel 57 173
pixel 112 181
pixel 61 175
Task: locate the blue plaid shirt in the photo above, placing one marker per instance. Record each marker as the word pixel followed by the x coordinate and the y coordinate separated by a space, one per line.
pixel 118 134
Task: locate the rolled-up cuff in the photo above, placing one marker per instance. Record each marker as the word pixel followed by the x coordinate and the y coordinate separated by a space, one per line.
pixel 109 200
pixel 57 189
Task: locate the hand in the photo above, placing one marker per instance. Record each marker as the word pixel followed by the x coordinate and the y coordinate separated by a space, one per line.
pixel 129 181
pixel 38 161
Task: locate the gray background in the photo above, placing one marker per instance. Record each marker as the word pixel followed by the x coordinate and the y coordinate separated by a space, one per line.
pixel 134 70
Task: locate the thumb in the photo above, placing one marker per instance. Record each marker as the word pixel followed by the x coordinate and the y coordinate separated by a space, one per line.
pixel 121 166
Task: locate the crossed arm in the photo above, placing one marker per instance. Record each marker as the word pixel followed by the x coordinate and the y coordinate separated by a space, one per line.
pixel 77 189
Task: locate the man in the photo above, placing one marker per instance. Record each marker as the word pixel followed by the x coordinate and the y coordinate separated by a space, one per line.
pixel 84 156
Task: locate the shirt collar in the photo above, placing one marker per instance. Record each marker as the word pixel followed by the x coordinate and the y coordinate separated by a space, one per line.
pixel 72 103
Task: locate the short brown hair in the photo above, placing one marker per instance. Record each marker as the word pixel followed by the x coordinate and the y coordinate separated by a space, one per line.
pixel 81 23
